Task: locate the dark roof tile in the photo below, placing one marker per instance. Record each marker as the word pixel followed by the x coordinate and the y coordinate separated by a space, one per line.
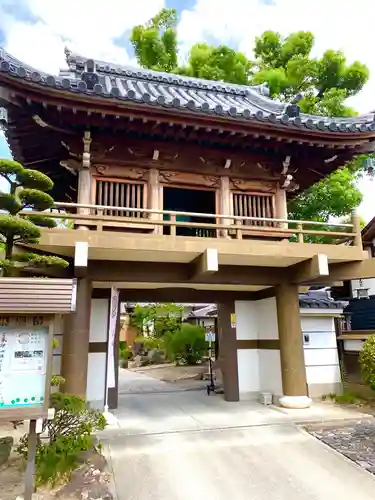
pixel 178 92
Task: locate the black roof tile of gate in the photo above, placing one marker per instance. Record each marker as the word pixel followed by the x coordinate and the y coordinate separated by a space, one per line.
pixel 176 92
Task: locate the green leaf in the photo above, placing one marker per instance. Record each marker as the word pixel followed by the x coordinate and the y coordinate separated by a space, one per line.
pixel 34 179
pixel 33 198
pixel 10 167
pixel 10 203
pixel 17 227
pixel 37 260
pixel 42 221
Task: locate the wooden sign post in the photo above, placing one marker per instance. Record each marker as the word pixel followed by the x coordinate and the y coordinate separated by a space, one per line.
pixel 26 345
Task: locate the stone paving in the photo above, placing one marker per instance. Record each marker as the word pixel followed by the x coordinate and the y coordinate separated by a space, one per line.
pixel 355 441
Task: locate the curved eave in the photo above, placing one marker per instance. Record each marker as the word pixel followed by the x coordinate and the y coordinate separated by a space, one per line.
pixel 252 110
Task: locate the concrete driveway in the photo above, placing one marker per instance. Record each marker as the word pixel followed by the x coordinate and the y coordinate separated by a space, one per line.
pixel 185 446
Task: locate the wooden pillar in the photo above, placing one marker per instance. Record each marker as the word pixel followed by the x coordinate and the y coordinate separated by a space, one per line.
pixel 76 339
pixel 228 351
pixel 293 371
pixel 225 202
pixel 281 209
pixel 84 178
pixel 356 221
pixel 154 197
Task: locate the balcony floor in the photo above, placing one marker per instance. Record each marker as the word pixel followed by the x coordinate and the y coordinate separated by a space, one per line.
pixel 115 246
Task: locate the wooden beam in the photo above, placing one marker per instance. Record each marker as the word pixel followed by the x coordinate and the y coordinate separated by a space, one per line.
pixel 348 271
pixel 205 264
pixel 81 256
pixel 149 272
pixel 310 269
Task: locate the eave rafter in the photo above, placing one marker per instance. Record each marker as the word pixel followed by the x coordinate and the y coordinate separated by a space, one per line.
pixel 94 110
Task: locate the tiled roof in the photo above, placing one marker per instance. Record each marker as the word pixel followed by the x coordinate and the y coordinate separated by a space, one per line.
pixel 203 97
pixel 314 299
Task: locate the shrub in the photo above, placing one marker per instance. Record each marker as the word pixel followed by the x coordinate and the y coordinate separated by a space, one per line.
pixel 69 434
pixel 187 345
pixel 149 343
pixel 367 361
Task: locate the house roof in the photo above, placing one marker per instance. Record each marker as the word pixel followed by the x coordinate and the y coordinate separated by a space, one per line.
pixel 313 299
pixel 368 232
pixel 204 97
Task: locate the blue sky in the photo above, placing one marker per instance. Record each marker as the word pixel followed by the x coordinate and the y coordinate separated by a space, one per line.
pixel 36 31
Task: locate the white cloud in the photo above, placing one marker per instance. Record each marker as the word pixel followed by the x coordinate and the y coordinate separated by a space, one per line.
pixel 90 28
pixel 337 24
pixel 87 27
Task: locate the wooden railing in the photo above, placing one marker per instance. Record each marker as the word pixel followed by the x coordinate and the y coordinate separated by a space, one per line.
pixel 254 206
pixel 92 217
pixel 121 193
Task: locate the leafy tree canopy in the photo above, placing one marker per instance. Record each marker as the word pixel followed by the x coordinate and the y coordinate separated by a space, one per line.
pixel 287 66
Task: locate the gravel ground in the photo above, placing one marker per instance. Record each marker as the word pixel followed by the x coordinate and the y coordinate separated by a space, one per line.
pixel 355 441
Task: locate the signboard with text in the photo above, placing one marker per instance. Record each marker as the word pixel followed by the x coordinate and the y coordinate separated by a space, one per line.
pixel 25 352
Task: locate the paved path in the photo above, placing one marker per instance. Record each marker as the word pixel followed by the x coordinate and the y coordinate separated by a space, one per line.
pixel 257 463
pixel 186 445
pixel 139 383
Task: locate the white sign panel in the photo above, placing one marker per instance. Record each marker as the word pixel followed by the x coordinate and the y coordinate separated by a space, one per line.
pixel 210 337
pixel 23 366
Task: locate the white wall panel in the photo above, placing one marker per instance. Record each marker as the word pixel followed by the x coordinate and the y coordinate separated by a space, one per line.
pixel 353 345
pixel 246 320
pixel 96 379
pixel 267 318
pixel 320 340
pixel 321 357
pixel 99 320
pixel 317 324
pixel 248 370
pixel 323 374
pixel 270 371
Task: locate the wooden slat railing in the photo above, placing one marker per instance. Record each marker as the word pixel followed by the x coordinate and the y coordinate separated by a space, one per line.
pixel 257 206
pixel 95 219
pixel 121 193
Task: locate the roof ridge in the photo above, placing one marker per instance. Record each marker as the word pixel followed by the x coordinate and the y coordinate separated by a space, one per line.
pixel 152 88
pixel 103 67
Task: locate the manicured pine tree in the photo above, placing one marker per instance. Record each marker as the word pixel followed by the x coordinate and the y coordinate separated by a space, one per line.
pixel 27 190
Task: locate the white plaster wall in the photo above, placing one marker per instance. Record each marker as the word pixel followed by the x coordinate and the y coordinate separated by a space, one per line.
pixel 320 349
pixel 247 359
pixel 269 359
pixel 99 320
pixel 258 369
pixel 248 372
pixel 97 363
pixel 96 372
pixel 353 345
pixel 258 320
pixel 246 320
pixel 270 371
pixel 267 318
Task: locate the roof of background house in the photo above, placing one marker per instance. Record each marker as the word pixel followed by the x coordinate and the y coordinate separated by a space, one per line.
pixel 313 299
pixel 368 232
pixel 114 82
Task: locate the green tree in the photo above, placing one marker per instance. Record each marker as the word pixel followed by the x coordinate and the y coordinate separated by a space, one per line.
pixel 287 66
pixel 26 191
pixel 155 43
pixel 157 319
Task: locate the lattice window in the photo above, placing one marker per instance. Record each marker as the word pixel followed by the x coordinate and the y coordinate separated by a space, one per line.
pixel 254 205
pixel 119 193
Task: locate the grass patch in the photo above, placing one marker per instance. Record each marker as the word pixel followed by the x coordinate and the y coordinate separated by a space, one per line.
pixel 347 398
